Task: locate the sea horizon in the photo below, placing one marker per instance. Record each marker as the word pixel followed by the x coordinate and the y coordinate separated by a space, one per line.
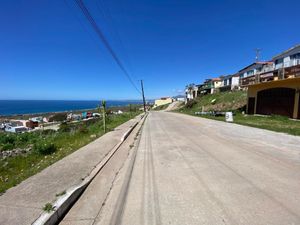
pixel 23 107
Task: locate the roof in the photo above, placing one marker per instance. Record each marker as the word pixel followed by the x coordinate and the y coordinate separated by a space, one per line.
pixel 230 75
pixel 259 63
pixel 216 79
pixel 286 51
pixel 164 98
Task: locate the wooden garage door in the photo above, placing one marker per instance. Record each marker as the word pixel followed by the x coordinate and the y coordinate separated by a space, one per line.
pixel 299 108
pixel 251 105
pixel 277 101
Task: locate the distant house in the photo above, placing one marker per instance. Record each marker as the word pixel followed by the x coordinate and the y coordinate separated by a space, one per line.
pixel 37 119
pixel 216 84
pixel 163 101
pixel 96 115
pixel 15 128
pixel 180 98
pixel 207 87
pixel 86 115
pixel 31 124
pixel 230 82
pixel 191 92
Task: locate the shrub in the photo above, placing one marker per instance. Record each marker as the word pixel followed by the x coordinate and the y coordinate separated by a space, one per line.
pixel 45 148
pixel 48 132
pixel 7 146
pixel 64 127
pixel 8 139
pixel 190 104
pixel 83 130
pixel 58 117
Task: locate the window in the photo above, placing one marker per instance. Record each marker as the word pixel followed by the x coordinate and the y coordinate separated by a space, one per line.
pixel 278 61
pixel 295 56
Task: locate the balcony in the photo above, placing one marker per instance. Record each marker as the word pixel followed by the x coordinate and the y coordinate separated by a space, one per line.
pixel 248 81
pixel 293 70
pixel 293 62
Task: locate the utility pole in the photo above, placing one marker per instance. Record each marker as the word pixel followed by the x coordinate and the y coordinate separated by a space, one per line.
pixel 104 115
pixel 142 85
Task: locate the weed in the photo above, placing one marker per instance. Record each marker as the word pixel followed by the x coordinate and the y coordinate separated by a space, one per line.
pixel 45 148
pixel 48 207
pixel 61 193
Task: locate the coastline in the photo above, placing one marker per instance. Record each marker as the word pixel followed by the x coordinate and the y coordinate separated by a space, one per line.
pixel 45 114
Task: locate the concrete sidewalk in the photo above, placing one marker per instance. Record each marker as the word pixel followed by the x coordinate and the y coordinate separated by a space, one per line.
pixel 23 204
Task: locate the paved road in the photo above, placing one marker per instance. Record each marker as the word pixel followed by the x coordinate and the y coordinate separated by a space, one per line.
pixel 190 170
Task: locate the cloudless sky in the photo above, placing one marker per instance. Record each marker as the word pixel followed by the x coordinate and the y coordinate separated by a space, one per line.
pixel 49 51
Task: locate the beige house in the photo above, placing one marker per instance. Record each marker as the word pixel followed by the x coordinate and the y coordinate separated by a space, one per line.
pixel 163 101
pixel 217 82
pixel 280 97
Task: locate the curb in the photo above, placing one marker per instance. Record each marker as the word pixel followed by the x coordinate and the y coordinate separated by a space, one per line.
pixel 65 202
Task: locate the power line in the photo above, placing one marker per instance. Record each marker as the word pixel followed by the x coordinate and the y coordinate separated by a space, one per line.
pixel 102 37
pixel 106 13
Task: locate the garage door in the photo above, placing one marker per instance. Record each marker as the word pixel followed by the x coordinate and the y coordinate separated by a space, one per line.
pixel 277 101
pixel 299 108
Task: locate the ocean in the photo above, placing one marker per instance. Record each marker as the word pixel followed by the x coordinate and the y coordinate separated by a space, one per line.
pixel 19 107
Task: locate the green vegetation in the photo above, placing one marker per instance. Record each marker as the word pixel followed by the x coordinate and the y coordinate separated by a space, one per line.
pixel 224 101
pixel 61 193
pixel 48 207
pixel 236 102
pixel 49 146
pixel 161 107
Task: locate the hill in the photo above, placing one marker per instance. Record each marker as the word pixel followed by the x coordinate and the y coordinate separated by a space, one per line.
pixel 225 101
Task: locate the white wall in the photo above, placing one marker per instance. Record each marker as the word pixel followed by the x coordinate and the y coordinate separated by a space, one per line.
pixel 235 81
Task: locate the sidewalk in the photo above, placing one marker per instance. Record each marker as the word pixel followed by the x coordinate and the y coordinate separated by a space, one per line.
pixel 24 203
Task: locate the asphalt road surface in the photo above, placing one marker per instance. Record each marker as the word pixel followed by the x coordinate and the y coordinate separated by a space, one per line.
pixel 188 170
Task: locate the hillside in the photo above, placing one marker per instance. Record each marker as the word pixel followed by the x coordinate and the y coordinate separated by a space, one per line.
pixel 226 101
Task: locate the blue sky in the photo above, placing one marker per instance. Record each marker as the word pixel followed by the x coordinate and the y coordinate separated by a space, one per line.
pixel 49 51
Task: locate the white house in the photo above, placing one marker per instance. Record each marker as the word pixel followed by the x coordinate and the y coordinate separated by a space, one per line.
pixel 288 58
pixel 15 129
pixel 230 82
pixel 255 68
pixel 191 92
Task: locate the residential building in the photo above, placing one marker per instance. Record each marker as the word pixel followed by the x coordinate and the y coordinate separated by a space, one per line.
pixel 207 87
pixel 13 128
pixel 163 101
pixel 280 97
pixel 230 82
pixel 284 65
pixel 216 84
pixel 277 91
pixel 248 75
pixel 191 92
pixel 288 58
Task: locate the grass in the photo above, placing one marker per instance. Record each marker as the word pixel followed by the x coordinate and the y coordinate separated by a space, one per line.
pixel 15 169
pixel 223 101
pixel 161 107
pixel 235 102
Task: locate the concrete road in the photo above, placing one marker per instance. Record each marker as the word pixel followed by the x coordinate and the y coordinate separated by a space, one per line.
pixel 190 170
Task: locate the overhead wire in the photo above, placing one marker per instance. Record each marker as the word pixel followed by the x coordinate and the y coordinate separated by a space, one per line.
pixel 104 40
pixel 104 10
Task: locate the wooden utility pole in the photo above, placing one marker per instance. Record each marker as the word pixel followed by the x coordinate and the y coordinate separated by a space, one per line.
pixel 142 86
pixel 104 115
